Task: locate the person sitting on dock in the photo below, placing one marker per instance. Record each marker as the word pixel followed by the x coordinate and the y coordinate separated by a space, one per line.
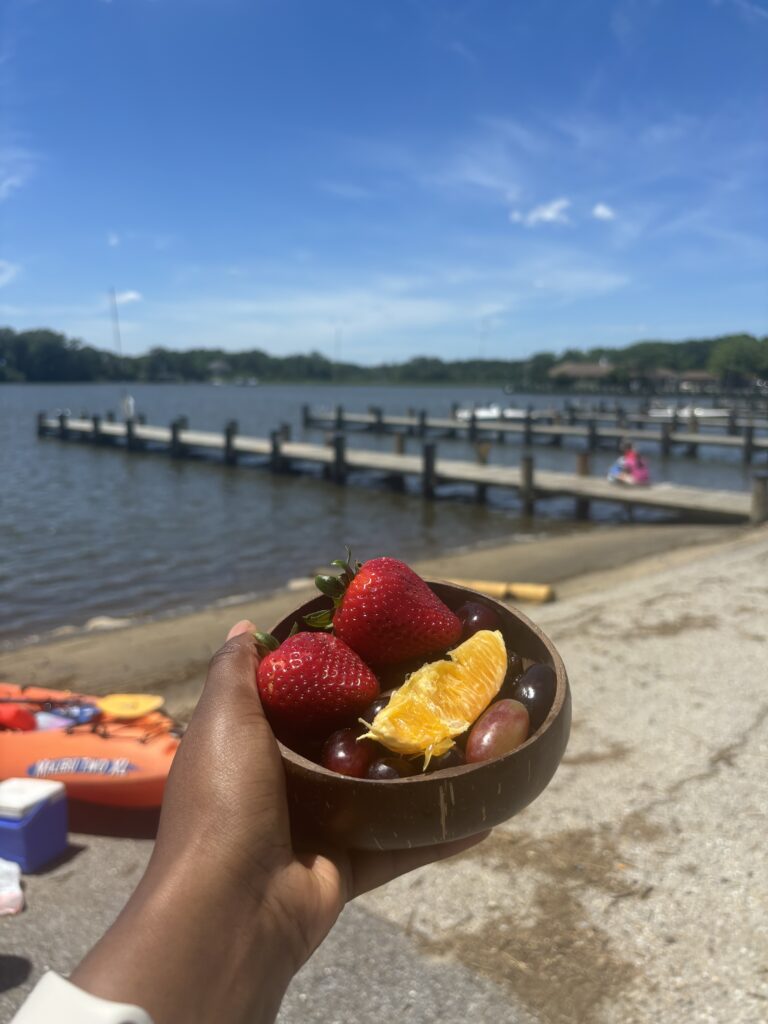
pixel 630 467
pixel 639 472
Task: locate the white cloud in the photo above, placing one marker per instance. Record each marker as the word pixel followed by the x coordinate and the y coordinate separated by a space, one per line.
pixel 9 184
pixel 17 166
pixel 554 212
pixel 602 211
pixel 752 12
pixel 569 282
pixel 124 298
pixel 113 239
pixel 7 272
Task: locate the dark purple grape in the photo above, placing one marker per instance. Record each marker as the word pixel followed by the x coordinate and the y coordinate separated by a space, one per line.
pixel 450 759
pixel 475 616
pixel 461 741
pixel 499 730
pixel 343 753
pixel 391 768
pixel 376 706
pixel 514 671
pixel 536 690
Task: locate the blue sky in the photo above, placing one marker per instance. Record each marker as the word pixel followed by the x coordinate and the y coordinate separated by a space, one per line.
pixel 382 178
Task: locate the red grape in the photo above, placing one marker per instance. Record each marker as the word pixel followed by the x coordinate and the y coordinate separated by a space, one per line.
pixel 475 616
pixel 499 730
pixel 343 753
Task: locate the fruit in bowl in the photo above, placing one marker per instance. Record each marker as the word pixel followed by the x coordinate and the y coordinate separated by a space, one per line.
pixel 470 728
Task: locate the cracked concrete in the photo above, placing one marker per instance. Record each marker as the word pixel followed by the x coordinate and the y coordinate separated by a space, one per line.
pixel 634 891
pixel 636 888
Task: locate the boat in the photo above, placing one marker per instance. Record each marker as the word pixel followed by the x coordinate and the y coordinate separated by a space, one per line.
pixel 701 412
pixel 114 751
pixel 490 412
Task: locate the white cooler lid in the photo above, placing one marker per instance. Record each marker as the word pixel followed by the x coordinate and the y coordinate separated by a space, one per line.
pixel 19 796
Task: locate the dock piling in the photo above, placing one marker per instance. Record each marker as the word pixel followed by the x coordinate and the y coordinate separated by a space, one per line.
pixel 759 509
pixel 527 489
pixel 482 454
pixel 749 444
pixel 582 469
pixel 693 428
pixel 177 448
pixel 591 435
pixel 230 452
pixel 41 424
pixel 339 459
pixel 378 418
pixel 472 432
pixel 275 453
pixel 131 442
pixel 429 478
pixel 63 432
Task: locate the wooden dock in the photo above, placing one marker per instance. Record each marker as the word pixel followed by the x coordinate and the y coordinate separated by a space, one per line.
pixel 546 426
pixel 338 461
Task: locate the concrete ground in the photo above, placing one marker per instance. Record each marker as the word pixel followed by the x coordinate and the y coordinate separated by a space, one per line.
pixel 634 891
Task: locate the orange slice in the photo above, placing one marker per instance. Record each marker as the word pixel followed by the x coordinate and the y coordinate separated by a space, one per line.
pixel 443 698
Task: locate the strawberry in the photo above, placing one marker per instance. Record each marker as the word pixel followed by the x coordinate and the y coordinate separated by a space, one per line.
pixel 386 613
pixel 312 684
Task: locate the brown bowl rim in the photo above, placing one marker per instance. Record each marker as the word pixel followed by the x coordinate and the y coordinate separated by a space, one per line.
pixel 561 694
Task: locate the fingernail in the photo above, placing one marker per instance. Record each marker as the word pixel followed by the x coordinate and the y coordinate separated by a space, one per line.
pixel 243 626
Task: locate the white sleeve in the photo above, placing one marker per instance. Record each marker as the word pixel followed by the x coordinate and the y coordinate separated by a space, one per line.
pixel 56 1001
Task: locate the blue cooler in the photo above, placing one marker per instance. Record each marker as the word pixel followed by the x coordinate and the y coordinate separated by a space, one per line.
pixel 33 822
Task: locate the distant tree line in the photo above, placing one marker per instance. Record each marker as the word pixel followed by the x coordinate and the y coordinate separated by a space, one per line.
pixel 44 355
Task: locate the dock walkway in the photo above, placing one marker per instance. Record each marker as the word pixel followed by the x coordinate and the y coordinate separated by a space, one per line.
pixel 549 426
pixel 339 460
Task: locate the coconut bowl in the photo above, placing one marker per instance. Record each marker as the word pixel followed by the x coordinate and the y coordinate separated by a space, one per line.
pixel 448 804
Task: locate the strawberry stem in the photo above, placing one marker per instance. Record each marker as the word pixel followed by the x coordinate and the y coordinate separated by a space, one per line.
pixel 266 641
pixel 320 620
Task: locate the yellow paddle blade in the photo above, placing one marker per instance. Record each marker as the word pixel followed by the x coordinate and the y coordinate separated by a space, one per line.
pixel 129 705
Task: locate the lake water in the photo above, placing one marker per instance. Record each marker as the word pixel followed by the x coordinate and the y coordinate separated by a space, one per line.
pixel 87 531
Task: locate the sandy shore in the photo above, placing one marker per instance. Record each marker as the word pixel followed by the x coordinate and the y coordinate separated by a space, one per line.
pixel 170 655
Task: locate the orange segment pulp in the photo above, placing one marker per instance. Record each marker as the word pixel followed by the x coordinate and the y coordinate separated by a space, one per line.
pixel 443 698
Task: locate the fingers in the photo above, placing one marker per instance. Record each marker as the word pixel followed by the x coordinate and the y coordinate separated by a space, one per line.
pixel 243 626
pixel 232 670
pixel 370 870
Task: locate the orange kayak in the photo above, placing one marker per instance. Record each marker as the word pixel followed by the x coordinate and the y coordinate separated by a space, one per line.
pixel 108 760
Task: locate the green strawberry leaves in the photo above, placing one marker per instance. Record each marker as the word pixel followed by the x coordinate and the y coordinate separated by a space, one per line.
pixel 335 588
pixel 320 620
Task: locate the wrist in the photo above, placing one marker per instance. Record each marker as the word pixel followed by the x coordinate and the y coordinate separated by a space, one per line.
pixel 193 946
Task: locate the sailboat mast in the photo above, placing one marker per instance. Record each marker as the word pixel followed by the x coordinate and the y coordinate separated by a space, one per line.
pixel 116 324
